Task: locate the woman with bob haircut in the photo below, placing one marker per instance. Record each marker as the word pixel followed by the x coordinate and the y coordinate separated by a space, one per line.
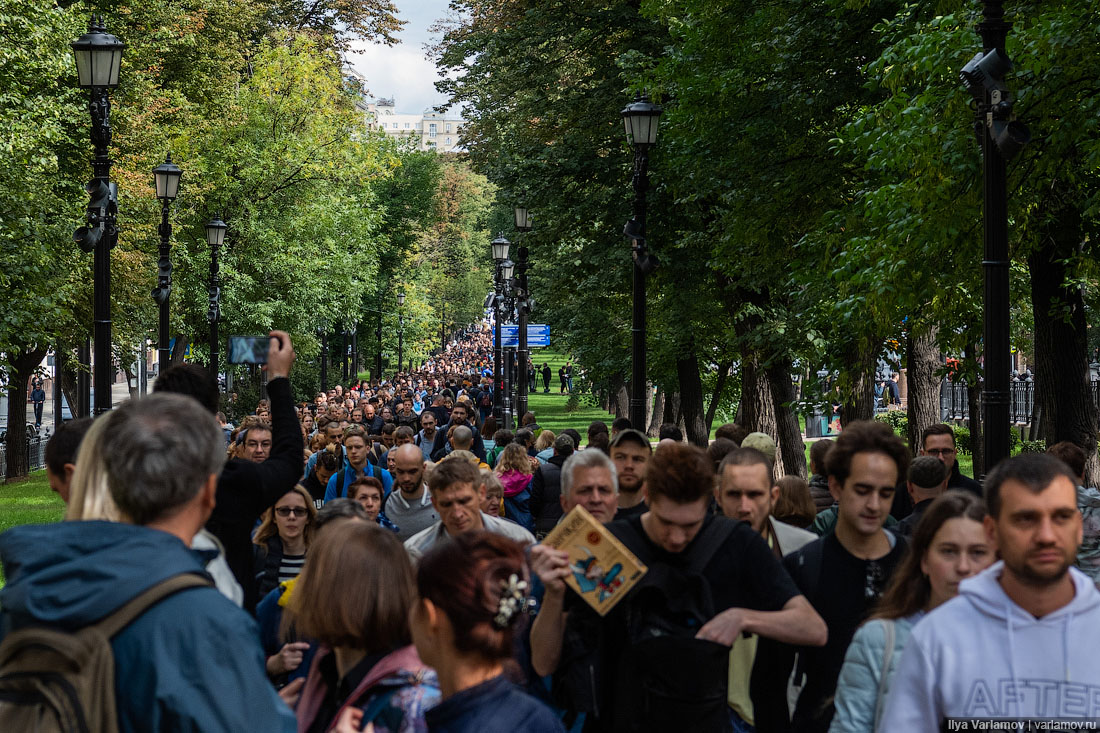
pixel 354 597
pixel 948 545
pixel 473 596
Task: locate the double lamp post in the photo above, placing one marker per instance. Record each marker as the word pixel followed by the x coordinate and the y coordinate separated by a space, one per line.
pixel 511 302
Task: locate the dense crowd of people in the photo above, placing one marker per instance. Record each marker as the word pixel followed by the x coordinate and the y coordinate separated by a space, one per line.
pixel 373 559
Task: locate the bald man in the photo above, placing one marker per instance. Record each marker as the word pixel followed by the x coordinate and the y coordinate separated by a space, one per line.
pixel 410 505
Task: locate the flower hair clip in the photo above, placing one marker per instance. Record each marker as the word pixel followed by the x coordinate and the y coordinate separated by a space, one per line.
pixel 513 595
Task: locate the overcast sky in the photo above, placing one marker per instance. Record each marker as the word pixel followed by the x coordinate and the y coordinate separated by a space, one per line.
pixel 402 71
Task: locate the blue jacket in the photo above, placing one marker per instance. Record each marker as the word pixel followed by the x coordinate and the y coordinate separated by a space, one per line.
pixel 191 662
pixel 332 491
pixel 857 689
pixel 495 705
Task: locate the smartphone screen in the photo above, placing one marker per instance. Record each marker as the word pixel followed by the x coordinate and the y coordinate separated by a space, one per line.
pixel 248 349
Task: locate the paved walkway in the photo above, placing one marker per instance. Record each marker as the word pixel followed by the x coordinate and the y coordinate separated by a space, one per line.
pixel 119 394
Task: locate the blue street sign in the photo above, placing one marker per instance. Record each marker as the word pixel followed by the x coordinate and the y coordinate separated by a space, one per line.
pixel 538 335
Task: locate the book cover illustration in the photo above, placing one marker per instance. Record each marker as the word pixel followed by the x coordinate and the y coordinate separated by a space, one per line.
pixel 604 570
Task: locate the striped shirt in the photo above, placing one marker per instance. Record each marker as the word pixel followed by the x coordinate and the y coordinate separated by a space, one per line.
pixel 290 567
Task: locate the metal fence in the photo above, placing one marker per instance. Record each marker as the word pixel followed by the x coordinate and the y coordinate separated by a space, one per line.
pixel 954 404
pixel 36 450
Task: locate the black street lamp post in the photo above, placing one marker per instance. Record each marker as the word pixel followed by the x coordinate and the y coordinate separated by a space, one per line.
pixel 509 355
pixel 523 307
pixel 215 237
pixel 400 330
pixel 500 247
pixel 167 178
pixel 640 119
pixel 98 61
pixel 324 361
pixel 1001 138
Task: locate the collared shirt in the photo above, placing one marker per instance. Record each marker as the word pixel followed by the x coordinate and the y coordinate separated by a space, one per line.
pixel 424 540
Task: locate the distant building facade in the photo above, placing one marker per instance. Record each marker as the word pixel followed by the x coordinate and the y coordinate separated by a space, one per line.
pixel 431 130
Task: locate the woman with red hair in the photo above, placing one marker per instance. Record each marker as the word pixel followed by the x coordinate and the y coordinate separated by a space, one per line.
pixel 473 597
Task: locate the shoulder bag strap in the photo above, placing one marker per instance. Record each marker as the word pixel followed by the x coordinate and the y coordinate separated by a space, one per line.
pixel 120 618
pixel 714 536
pixel 884 677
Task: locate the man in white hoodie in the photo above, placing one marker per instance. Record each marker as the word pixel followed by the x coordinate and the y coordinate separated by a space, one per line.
pixel 1019 640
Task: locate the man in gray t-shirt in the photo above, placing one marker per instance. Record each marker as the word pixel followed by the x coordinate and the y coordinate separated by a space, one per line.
pixel 457 493
pixel 409 505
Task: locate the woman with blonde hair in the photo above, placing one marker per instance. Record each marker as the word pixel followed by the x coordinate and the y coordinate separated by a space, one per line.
pixel 544 445
pixel 89 496
pixel 515 472
pixel 281 542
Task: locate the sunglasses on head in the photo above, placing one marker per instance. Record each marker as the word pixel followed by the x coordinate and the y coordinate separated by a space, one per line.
pixel 286 511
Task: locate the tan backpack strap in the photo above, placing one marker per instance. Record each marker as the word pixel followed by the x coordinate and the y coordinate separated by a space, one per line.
pixel 139 604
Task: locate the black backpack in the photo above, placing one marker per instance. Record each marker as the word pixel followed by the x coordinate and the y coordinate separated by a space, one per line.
pixel 665 678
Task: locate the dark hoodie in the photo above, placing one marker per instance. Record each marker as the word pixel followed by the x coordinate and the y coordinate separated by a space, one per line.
pixel 191 662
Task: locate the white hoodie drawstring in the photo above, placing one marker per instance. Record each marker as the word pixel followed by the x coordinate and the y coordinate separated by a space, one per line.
pixel 1011 656
pixel 1065 643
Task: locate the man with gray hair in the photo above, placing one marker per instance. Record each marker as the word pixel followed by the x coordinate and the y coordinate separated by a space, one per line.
pixel 546 505
pixel 191 661
pixel 588 479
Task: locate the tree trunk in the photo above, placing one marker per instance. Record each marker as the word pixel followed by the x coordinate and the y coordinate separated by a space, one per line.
pixel 922 361
pixel 131 388
pixel 648 405
pixel 757 409
pixel 622 401
pixel 859 400
pixel 23 364
pixel 790 453
pixel 1036 430
pixel 977 444
pixel 69 384
pixel 672 410
pixel 1061 341
pixel 614 386
pixel 658 412
pixel 180 348
pixel 691 398
pixel 719 386
pixel 757 405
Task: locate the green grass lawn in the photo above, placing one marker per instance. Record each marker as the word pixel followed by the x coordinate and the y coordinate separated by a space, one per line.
pixel 550 409
pixel 28 502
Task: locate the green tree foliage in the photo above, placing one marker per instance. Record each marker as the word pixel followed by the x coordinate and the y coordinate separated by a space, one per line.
pixel 817 187
pixel 252 102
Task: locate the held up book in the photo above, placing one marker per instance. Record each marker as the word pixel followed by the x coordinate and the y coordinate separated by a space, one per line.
pixel 604 570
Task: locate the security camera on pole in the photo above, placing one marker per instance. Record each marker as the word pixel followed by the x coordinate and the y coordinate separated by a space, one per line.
pixel 1001 137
